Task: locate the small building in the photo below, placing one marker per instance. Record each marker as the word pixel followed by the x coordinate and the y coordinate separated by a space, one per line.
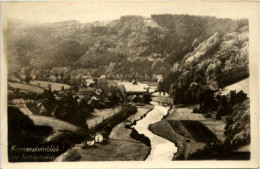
pixel 98 91
pixel 57 97
pixel 99 138
pixel 90 142
pixel 90 82
pixel 33 77
pixel 103 77
pixel 128 123
pixel 134 82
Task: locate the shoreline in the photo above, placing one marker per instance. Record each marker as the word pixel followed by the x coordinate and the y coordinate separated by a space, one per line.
pixel 178 153
pixel 143 116
pixel 158 113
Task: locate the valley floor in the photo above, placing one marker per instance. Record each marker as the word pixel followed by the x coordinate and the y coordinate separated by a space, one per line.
pixel 119 147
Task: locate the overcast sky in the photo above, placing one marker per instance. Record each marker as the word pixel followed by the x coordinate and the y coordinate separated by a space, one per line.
pixel 42 12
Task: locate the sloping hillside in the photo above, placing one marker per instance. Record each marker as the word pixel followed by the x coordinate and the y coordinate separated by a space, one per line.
pixel 241 85
pixel 130 47
pixel 219 61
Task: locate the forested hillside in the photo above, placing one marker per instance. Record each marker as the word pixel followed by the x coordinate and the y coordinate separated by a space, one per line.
pixel 134 47
pixel 218 61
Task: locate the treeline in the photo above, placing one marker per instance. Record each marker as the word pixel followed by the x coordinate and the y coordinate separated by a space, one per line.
pixel 222 105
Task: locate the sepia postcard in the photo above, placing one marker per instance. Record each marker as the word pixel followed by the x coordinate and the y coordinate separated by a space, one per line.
pixel 129 84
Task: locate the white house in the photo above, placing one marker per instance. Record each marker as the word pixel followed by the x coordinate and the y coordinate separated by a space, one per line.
pixel 99 138
pixel 90 142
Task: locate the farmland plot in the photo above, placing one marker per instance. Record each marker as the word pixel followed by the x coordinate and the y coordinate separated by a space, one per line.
pixel 54 86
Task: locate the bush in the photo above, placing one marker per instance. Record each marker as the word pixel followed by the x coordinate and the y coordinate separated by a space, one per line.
pixel 140 137
pixel 32 106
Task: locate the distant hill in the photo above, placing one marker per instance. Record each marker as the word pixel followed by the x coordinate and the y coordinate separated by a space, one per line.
pixel 130 47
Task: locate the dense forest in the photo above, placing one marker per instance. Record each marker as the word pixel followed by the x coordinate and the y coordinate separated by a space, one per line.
pixel 130 47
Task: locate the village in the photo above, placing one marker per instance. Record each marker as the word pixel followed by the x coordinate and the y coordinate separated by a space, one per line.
pixel 107 109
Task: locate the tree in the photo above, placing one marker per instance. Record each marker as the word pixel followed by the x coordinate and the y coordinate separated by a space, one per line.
pixel 27 79
pixel 67 79
pixel 62 75
pixel 56 74
pixel 49 86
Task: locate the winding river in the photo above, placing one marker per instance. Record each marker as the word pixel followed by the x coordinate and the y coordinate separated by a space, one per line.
pixel 161 149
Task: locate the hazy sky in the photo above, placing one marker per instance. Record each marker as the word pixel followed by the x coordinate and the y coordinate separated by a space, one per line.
pixel 42 12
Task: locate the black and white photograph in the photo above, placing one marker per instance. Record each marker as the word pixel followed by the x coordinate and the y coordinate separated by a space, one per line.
pixel 129 81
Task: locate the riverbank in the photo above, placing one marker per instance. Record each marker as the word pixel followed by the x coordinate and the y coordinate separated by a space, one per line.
pixel 118 147
pixel 161 148
pixel 190 132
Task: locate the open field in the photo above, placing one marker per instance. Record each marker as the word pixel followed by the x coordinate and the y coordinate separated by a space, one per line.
pixel 54 86
pixel 58 126
pixel 100 114
pixel 26 87
pixel 241 85
pixel 179 128
pixel 113 150
pixel 49 121
pixel 130 87
pixel 185 113
pixel 198 131
pixel 165 130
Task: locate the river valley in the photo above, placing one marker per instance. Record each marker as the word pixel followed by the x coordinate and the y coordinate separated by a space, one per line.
pixel 161 149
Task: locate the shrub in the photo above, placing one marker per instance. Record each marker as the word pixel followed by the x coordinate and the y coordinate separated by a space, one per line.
pixel 140 137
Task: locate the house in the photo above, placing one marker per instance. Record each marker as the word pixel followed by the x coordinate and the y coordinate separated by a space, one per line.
pixel 43 110
pixel 128 123
pixel 98 91
pixel 90 82
pixel 99 138
pixel 33 77
pixel 95 98
pixel 103 77
pixel 90 142
pixel 134 82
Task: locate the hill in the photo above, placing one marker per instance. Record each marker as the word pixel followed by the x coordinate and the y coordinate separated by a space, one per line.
pixel 130 47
